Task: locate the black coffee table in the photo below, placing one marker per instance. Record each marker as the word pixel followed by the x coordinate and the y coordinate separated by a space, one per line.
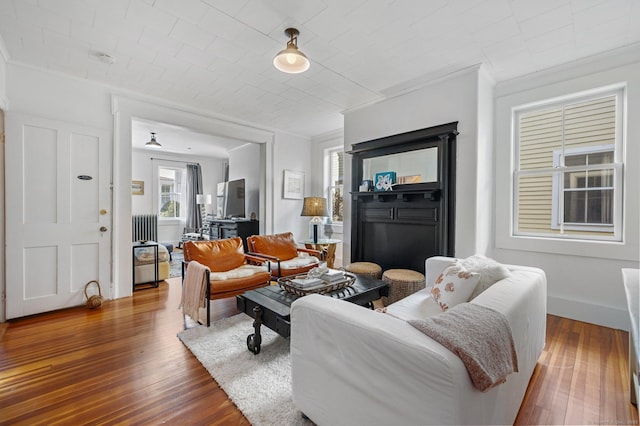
pixel 271 305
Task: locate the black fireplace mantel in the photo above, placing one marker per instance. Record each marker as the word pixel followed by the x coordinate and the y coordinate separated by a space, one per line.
pixel 402 227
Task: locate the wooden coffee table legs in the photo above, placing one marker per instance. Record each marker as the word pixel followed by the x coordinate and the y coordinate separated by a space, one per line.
pixel 255 340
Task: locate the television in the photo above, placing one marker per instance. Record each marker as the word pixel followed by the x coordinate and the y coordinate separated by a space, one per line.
pixel 231 199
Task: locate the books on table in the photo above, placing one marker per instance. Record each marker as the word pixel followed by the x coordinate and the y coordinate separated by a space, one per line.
pixel 306 283
pixel 333 275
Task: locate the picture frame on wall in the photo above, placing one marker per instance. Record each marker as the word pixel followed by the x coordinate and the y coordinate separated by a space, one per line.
pixel 293 185
pixel 137 187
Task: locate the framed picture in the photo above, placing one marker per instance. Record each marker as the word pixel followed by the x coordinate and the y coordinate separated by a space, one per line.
pixel 384 181
pixel 137 187
pixel 293 185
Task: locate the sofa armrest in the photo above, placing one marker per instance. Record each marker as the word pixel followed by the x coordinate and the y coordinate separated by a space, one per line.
pixel 344 363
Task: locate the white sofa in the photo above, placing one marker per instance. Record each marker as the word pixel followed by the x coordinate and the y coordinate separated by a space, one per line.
pixel 354 366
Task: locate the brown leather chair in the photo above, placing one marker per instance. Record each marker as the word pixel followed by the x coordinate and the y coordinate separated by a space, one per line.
pixel 284 257
pixel 225 258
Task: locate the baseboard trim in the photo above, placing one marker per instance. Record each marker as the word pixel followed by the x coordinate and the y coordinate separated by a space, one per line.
pixel 605 316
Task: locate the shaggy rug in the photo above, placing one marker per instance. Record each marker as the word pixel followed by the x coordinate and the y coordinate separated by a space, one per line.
pixel 176 264
pixel 259 385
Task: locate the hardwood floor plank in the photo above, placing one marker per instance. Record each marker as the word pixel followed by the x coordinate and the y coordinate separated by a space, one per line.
pixel 123 364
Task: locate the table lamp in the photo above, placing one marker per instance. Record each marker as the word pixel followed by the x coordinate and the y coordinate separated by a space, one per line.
pixel 316 207
pixel 203 200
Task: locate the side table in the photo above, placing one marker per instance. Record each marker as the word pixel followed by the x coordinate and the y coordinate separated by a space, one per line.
pixel 326 246
pixel 138 245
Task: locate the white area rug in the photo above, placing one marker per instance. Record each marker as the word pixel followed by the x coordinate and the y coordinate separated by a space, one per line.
pixel 259 385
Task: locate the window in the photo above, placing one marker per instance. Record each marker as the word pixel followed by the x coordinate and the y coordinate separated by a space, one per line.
pixel 568 174
pixel 336 189
pixel 172 193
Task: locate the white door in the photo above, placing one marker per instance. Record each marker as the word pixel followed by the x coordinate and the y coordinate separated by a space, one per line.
pixel 58 213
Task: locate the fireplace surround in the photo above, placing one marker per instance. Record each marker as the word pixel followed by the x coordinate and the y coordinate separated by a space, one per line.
pixel 401 227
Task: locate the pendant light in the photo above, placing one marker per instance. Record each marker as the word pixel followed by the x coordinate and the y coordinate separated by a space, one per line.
pixel 291 60
pixel 153 143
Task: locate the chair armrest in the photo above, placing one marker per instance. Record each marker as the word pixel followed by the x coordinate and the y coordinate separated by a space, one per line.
pixel 263 256
pixel 316 253
pixel 185 263
pixel 254 258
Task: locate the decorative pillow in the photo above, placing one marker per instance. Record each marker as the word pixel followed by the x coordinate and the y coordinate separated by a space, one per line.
pixel 454 286
pixel 490 272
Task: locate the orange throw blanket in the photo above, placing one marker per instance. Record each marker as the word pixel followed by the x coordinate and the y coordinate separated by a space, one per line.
pixel 194 290
pixel 480 336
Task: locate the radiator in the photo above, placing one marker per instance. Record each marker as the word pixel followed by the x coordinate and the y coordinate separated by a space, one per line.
pixel 144 227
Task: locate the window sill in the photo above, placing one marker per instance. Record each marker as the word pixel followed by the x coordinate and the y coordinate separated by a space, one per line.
pixel 583 248
pixel 169 222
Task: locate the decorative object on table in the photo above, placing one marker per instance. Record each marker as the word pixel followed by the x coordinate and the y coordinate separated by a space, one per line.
pixel 403 180
pixel 95 300
pixel 301 285
pixel 291 60
pixel 366 185
pixel 315 207
pixel 384 181
pixel 293 185
pixel 137 187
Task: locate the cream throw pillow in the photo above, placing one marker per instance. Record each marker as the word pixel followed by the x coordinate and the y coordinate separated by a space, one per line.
pixel 453 286
pixel 490 272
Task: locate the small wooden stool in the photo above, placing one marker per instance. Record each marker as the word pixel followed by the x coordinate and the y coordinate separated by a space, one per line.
pixel 365 268
pixel 402 282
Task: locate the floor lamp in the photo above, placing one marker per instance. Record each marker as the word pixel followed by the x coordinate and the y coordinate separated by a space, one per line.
pixel 316 207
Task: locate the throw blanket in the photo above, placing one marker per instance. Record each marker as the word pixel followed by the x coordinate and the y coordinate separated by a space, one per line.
pixel 480 336
pixel 194 290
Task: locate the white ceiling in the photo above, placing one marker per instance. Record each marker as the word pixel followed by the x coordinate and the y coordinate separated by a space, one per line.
pixel 216 55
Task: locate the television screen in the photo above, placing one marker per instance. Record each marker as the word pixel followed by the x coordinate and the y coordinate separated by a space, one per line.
pixel 231 199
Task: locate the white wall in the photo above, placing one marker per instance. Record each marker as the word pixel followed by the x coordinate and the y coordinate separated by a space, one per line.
pixel 142 169
pixel 292 153
pixel 244 163
pixel 584 278
pixel 450 99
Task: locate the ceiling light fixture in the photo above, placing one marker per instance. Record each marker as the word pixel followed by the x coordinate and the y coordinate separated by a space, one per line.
pixel 291 60
pixel 153 143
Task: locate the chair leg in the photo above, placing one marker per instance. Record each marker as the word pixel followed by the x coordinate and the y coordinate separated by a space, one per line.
pixel 208 296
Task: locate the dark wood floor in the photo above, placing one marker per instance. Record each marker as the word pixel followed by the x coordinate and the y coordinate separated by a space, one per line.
pixel 124 364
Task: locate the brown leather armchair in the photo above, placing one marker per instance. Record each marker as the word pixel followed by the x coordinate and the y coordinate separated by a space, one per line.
pixel 283 256
pixel 230 270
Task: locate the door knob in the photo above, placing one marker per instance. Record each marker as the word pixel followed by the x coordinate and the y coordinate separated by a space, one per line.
pixel 103 229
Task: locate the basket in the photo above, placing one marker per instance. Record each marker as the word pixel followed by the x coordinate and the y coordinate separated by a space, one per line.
pixel 285 284
pixel 94 301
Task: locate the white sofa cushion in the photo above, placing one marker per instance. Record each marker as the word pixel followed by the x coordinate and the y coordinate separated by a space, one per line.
pixel 453 286
pixel 420 306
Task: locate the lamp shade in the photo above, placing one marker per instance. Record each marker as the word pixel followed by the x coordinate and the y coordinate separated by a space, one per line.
pixel 291 60
pixel 153 143
pixel 314 206
pixel 203 198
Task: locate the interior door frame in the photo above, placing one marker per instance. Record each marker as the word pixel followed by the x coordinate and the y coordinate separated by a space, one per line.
pixel 124 109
